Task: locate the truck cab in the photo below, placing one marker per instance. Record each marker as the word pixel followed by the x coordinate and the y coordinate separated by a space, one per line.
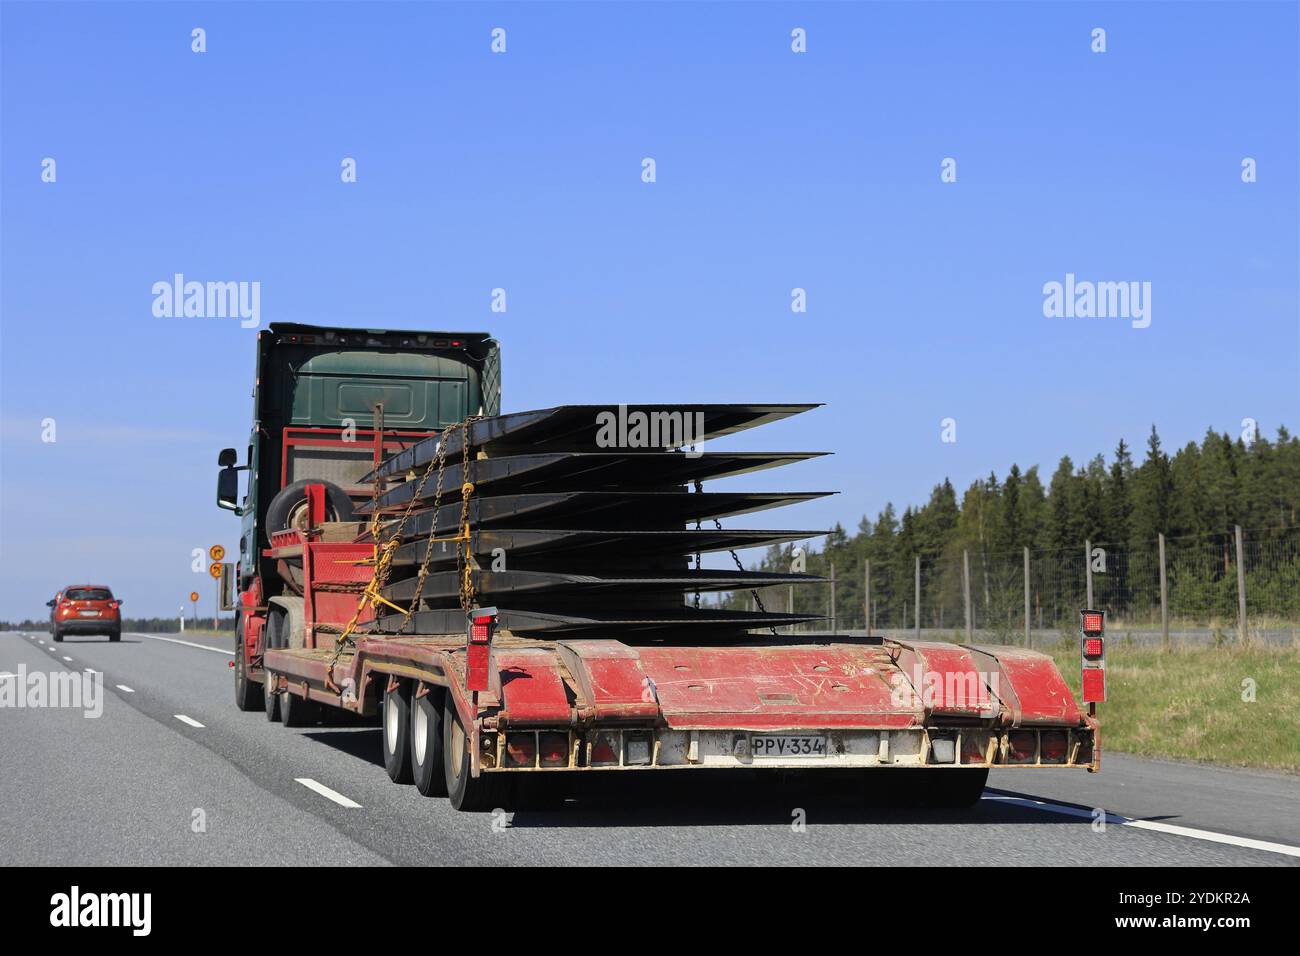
pixel 314 404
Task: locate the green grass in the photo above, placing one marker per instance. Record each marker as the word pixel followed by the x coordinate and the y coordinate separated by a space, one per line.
pixel 1186 703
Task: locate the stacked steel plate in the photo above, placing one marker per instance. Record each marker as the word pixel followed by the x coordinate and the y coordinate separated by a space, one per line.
pixel 583 517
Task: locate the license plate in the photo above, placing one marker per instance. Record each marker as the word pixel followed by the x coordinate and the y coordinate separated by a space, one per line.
pixel 787 745
pixel 89 613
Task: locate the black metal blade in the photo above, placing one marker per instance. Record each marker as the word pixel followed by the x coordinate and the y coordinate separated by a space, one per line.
pixel 493 586
pixel 579 428
pixel 585 548
pixel 595 510
pixel 593 471
pixel 660 624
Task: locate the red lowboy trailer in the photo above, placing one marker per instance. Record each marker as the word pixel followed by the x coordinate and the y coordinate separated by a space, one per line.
pixel 572 669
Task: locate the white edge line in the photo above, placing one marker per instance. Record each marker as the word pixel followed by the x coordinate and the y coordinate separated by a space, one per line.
pixel 125 689
pixel 327 793
pixel 1209 836
pixel 187 720
pixel 172 640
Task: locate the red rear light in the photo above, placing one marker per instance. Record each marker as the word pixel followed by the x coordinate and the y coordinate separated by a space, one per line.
pixel 603 752
pixel 1053 744
pixel 521 750
pixel 554 749
pixel 1092 647
pixel 973 748
pixel 1092 622
pixel 1020 746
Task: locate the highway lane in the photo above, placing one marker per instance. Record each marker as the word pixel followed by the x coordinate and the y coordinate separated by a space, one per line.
pixel 123 788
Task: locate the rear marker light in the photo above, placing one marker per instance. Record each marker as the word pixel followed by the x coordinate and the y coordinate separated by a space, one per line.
pixel 554 750
pixel 521 750
pixel 1092 647
pixel 602 752
pixel 973 749
pixel 1092 622
pixel 1020 746
pixel 1053 745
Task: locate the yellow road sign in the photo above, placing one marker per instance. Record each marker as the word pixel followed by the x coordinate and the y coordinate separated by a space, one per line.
pixel 216 553
pixel 194 595
pixel 214 569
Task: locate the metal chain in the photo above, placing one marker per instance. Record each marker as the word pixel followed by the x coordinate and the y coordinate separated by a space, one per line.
pixel 699 486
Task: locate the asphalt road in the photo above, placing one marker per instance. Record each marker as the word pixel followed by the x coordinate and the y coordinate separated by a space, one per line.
pixel 141 783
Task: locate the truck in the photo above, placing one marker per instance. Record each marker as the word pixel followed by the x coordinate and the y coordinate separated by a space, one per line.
pixel 517 597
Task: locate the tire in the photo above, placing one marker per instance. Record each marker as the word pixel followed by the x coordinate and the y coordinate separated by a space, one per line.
pixel 287 508
pixel 270 700
pixel 248 693
pixel 114 635
pixel 298 711
pixel 484 792
pixel 426 744
pixel 58 636
pixel 395 732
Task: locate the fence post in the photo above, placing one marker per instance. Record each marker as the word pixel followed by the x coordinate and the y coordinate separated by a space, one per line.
pixel 965 588
pixel 1087 564
pixel 1164 596
pixel 834 621
pixel 1241 591
pixel 1028 639
pixel 918 597
pixel 866 591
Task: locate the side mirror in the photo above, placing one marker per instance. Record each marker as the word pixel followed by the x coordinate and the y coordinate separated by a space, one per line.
pixel 51 602
pixel 227 457
pixel 228 489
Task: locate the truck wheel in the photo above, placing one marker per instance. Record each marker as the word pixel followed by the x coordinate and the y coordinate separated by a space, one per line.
pixel 484 792
pixel 248 694
pixel 288 509
pixel 396 732
pixel 270 699
pixel 298 711
pixel 115 635
pixel 58 636
pixel 426 745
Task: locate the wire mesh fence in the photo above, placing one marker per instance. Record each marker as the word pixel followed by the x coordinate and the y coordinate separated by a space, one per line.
pixel 1213 589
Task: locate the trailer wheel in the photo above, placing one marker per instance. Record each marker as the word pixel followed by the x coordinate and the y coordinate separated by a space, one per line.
pixel 484 792
pixel 248 693
pixel 426 744
pixel 298 711
pixel 396 732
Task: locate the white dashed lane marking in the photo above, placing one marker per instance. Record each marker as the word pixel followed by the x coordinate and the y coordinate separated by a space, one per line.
pixel 124 689
pixel 1210 836
pixel 187 720
pixel 173 640
pixel 327 793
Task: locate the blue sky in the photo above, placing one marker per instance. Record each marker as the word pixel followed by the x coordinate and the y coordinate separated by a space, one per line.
pixel 775 170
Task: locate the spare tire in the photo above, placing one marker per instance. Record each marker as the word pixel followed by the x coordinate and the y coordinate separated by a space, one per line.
pixel 288 509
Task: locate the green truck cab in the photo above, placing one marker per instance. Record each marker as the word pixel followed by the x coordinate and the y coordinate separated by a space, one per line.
pixel 314 397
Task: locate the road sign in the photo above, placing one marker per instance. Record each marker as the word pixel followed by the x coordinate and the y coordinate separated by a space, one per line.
pixel 194 595
pixel 214 569
pixel 216 553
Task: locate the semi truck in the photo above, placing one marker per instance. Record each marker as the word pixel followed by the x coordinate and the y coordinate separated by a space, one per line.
pixel 524 596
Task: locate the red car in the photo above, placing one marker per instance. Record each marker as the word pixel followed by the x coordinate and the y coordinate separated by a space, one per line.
pixel 85 609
